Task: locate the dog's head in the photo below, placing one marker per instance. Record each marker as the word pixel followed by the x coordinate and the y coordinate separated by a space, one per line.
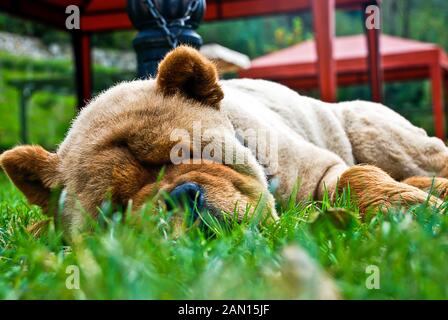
pixel 121 141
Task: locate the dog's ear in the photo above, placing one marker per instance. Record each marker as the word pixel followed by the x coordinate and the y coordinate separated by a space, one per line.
pixel 184 70
pixel 34 171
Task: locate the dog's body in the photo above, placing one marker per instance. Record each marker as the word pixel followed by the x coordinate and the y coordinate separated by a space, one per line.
pixel 318 141
pixel 123 138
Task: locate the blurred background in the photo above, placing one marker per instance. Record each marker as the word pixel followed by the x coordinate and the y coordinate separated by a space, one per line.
pixel 37 65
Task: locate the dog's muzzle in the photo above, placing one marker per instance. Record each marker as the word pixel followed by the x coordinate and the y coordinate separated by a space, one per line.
pixel 190 197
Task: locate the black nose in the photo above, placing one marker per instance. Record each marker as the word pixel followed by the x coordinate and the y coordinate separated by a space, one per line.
pixel 190 196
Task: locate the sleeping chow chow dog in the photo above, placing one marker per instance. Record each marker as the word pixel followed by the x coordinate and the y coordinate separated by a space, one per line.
pixel 222 144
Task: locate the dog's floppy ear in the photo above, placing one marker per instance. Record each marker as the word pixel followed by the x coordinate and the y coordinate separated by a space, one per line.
pixel 34 171
pixel 184 70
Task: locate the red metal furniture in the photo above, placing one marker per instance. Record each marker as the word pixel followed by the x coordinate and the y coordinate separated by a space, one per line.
pixel 102 16
pixel 402 59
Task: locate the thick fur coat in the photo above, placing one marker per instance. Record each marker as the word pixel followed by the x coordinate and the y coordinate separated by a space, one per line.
pixel 121 140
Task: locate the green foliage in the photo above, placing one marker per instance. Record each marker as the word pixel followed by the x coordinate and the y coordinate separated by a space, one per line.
pixel 144 259
pixel 285 37
pixel 255 37
pixel 26 27
pixel 117 40
pixel 50 110
pixel 420 20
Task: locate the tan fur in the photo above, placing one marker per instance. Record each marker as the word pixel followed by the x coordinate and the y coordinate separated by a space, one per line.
pixel 439 186
pixel 225 187
pixel 121 141
pixel 375 188
pixel 34 171
pixel 185 70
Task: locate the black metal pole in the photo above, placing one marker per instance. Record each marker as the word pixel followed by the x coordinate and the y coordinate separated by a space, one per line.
pixel 152 42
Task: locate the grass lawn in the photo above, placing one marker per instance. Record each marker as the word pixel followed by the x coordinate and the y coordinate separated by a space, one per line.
pixel 145 260
pixel 50 109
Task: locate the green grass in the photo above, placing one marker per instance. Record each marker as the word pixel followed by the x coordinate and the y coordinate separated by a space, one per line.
pixel 50 110
pixel 142 258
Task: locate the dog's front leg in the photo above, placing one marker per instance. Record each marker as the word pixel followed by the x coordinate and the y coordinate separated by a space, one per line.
pixel 436 185
pixel 375 188
pixel 318 170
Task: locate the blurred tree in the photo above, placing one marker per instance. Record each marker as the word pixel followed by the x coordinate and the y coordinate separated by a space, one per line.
pixel 25 27
pixel 256 36
pixel 292 34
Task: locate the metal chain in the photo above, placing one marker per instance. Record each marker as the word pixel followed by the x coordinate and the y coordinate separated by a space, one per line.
pixel 192 6
pixel 164 25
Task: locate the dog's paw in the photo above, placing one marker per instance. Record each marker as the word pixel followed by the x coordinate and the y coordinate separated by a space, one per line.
pixel 374 188
pixel 435 186
pixel 441 190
